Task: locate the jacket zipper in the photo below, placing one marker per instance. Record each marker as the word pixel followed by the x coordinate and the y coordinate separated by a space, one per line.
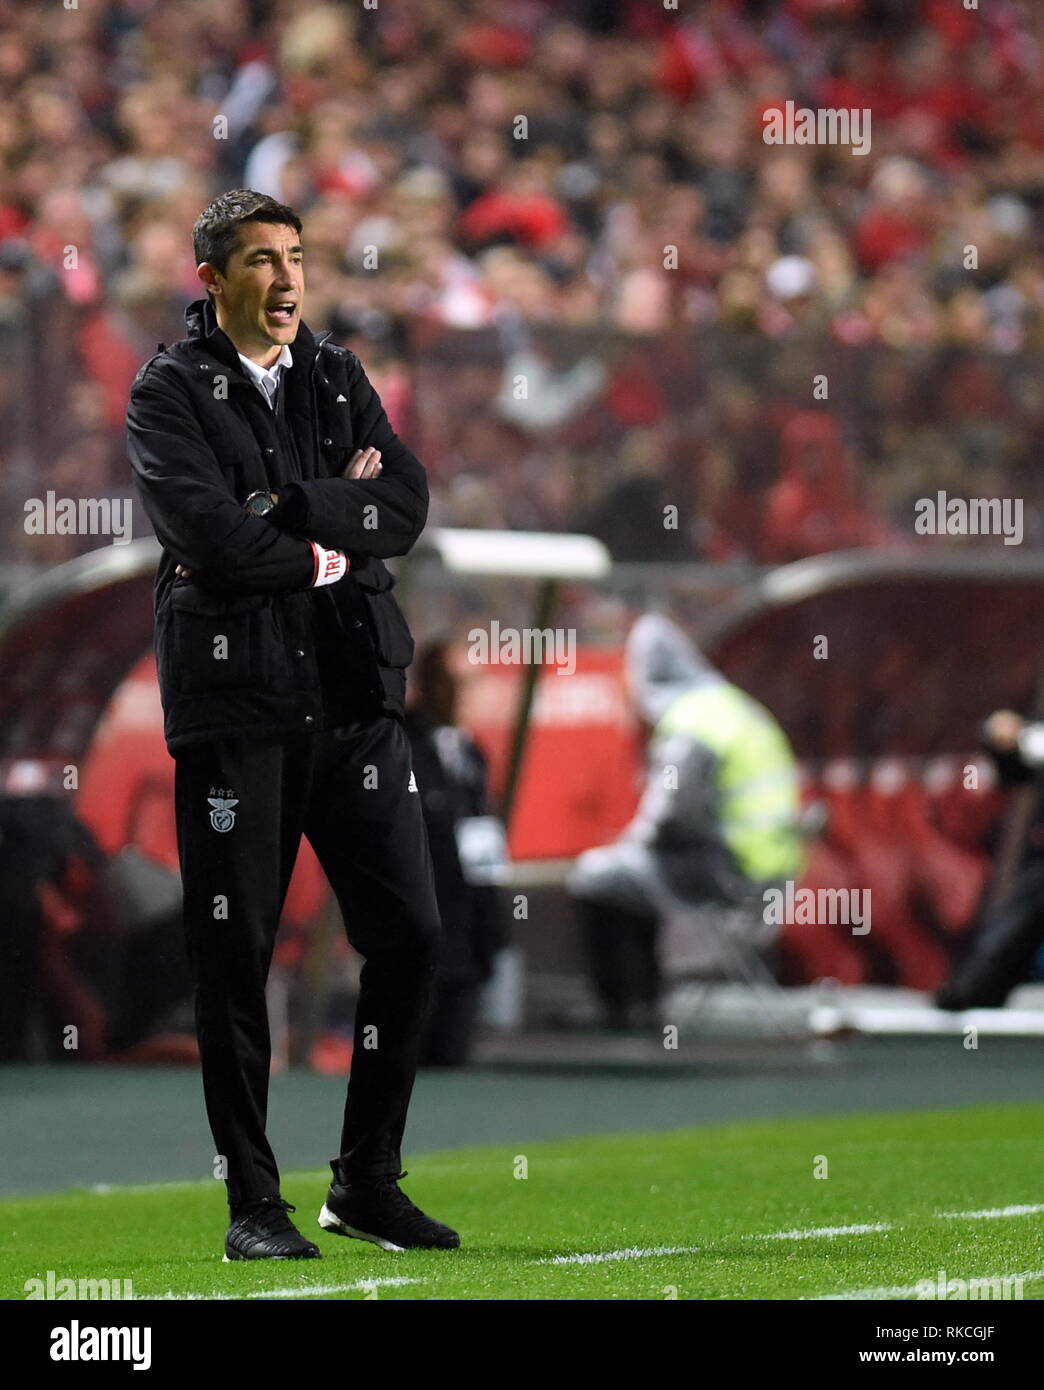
pixel 320 340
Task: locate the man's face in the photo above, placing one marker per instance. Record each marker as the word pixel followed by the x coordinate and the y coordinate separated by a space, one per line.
pixel 265 271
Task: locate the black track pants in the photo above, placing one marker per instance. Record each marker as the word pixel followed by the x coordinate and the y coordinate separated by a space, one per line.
pixel 620 949
pixel 242 807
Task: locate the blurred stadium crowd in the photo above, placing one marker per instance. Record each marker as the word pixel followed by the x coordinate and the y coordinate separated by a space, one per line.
pixel 397 128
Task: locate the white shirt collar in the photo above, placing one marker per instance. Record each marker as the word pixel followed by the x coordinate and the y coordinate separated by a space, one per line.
pixel 259 374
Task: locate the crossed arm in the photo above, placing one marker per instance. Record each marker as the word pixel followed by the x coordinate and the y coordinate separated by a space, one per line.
pixel 377 506
pixel 364 463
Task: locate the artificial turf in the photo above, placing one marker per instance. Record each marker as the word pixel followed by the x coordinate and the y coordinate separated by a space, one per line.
pixel 721 1190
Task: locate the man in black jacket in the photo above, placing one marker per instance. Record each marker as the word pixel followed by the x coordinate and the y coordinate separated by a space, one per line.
pixel 1010 931
pixel 276 487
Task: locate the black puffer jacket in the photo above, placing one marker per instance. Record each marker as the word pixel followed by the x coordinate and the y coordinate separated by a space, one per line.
pixel 200 439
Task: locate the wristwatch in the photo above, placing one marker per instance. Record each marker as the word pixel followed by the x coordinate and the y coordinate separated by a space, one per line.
pixel 260 503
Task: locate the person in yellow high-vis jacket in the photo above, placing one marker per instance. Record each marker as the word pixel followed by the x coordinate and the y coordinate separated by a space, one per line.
pixel 717 825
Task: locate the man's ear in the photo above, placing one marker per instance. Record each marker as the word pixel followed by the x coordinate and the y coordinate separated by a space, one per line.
pixel 206 274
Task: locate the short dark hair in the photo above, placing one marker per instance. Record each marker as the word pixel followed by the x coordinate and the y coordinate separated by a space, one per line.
pixel 216 233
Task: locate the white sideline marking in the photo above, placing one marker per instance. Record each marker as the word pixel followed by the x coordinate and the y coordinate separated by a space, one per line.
pixel 910 1291
pixel 634 1253
pixel 482 1165
pixel 301 1291
pixel 391 1282
pixel 992 1213
pixel 814 1232
pixel 987 1214
pixel 104 1189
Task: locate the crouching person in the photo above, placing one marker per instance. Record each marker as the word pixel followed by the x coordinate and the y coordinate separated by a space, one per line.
pixel 717 825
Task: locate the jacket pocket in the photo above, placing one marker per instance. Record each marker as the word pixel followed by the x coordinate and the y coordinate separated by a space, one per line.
pixel 391 634
pixel 218 643
pixel 336 438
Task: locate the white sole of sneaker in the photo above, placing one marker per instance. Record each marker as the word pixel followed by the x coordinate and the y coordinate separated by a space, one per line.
pixel 330 1222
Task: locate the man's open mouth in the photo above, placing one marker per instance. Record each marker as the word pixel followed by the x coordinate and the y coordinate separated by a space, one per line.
pixel 282 310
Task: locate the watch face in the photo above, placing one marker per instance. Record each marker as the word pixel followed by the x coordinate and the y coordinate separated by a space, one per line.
pixel 259 503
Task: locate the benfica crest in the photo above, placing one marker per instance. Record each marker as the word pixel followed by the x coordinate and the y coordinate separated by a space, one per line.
pixel 222 817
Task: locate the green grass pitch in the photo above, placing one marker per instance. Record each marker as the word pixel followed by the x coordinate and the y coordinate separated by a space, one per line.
pixel 711 1201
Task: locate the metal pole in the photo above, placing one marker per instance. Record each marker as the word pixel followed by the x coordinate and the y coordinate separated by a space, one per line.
pixel 546 602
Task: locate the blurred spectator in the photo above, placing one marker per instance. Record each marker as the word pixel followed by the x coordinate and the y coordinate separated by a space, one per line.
pixel 94 968
pixel 50 886
pixel 1008 934
pixel 599 171
pixel 814 507
pixel 717 824
pixel 451 776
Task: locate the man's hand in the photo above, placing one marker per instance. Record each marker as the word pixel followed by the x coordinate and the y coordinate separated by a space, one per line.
pixel 364 463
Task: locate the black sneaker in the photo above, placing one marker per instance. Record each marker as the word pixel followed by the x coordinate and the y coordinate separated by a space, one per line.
pixel 262 1230
pixel 381 1213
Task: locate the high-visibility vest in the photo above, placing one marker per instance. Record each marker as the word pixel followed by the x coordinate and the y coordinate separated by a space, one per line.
pixel 759 797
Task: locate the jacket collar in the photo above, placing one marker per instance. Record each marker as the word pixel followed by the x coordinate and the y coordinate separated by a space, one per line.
pixel 204 332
